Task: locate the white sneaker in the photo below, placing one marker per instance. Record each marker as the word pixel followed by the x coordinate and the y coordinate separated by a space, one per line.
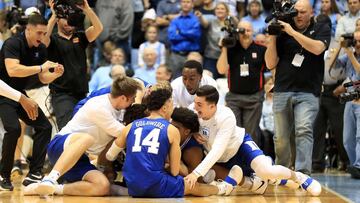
pixel 309 184
pixel 46 187
pixel 224 187
pixel 231 181
pixel 259 186
pixel 31 189
pixel 209 176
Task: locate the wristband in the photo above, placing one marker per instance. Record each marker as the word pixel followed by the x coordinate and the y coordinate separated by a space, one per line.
pixel 113 151
pixel 40 68
pixel 197 174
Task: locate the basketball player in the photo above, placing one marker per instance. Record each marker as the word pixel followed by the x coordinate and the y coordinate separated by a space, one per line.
pixel 148 142
pixel 90 130
pixel 228 145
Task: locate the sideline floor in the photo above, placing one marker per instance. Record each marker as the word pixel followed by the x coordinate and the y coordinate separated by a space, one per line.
pixel 273 194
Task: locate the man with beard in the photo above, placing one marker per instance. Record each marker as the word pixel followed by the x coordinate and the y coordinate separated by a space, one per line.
pixel 67 47
pixel 245 66
pixel 185 86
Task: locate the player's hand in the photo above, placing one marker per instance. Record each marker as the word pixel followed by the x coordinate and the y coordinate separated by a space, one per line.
pixel 199 138
pixel 286 27
pixel 30 106
pixel 191 179
pixel 59 70
pixel 47 65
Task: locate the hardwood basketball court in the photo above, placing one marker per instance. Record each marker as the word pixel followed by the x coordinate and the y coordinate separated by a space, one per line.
pixel 273 194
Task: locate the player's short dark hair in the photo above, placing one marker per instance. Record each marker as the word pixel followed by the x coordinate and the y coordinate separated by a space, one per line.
pixel 36 19
pixel 134 112
pixel 187 118
pixel 209 92
pixel 157 98
pixel 124 85
pixel 192 64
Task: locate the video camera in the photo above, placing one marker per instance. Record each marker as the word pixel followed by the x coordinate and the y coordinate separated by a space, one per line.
pixel 231 32
pixel 352 92
pixel 16 15
pixel 348 40
pixel 68 9
pixel 284 10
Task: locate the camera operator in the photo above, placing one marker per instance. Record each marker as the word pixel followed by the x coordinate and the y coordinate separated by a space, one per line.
pixel 298 56
pixel 22 58
pixel 68 47
pixel 350 61
pixel 246 78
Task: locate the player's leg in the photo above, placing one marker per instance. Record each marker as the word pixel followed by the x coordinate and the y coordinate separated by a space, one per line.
pixel 222 188
pixel 94 183
pixel 264 168
pixel 74 147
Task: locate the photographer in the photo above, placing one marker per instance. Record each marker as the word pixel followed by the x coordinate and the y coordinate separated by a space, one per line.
pixel 68 47
pixel 298 56
pixel 246 78
pixel 23 58
pixel 351 63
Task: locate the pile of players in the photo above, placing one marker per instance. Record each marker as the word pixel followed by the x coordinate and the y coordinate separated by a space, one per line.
pixel 170 152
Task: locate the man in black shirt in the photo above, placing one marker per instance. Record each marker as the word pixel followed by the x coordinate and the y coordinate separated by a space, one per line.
pixel 22 57
pixel 298 55
pixel 245 66
pixel 68 47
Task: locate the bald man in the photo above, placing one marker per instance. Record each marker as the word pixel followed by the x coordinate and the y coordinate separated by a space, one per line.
pixel 148 71
pixel 298 56
pixel 244 63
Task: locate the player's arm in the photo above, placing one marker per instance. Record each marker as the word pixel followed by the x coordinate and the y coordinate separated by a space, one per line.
pixel 218 147
pixel 118 145
pixel 139 93
pixel 175 151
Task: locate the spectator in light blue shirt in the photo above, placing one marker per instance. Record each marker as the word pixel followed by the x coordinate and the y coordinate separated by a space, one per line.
pixel 184 35
pixel 148 72
pixel 101 77
pixel 255 17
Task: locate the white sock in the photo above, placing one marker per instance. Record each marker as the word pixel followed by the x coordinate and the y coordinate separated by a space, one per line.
pixel 59 189
pixel 53 175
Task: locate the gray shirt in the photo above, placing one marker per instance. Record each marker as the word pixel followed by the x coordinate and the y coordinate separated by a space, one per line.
pixel 117 17
pixel 213 36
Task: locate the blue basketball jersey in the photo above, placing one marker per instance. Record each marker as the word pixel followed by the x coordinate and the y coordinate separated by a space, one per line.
pixel 147 146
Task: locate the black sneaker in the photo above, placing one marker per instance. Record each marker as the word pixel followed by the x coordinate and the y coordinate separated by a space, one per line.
pixel 16 172
pixel 32 178
pixel 5 184
pixel 354 172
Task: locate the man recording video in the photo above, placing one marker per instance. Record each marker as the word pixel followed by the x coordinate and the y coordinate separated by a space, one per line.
pixel 23 59
pixel 245 64
pixel 298 56
pixel 350 61
pixel 67 47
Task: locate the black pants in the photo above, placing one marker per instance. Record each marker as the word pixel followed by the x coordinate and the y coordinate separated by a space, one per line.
pixel 63 105
pixel 330 115
pixel 10 113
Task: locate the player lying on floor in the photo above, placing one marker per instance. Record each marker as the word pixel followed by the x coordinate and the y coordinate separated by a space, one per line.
pixel 227 145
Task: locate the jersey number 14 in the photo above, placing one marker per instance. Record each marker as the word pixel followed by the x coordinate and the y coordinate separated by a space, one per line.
pixel 151 141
